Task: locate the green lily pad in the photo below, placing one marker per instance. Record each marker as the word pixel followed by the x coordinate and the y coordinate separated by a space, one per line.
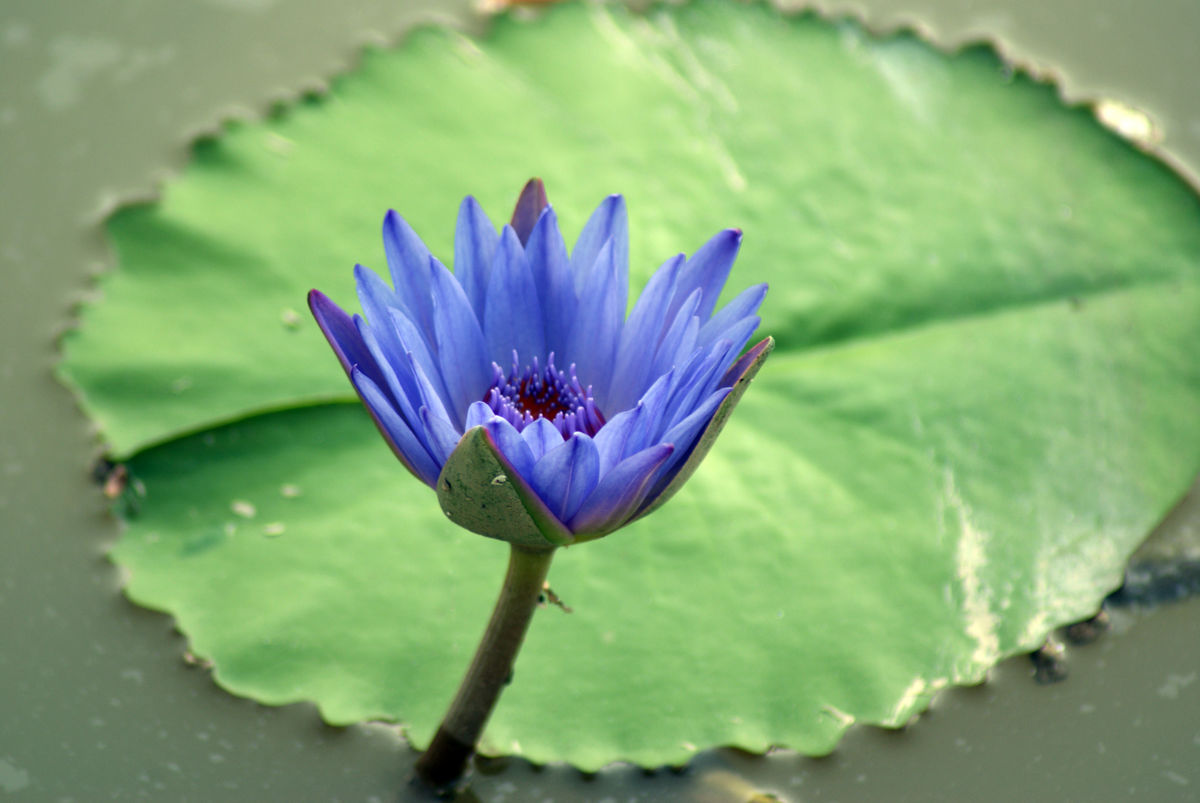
pixel 984 391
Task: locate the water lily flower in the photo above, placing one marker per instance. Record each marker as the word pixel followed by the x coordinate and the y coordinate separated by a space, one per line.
pixel 517 387
pixel 543 416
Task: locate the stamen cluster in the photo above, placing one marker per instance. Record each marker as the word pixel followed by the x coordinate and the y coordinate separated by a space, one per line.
pixel 533 392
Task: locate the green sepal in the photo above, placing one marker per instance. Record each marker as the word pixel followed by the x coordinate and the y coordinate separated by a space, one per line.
pixel 480 490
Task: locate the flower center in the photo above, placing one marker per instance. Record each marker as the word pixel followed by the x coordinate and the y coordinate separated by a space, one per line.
pixel 535 392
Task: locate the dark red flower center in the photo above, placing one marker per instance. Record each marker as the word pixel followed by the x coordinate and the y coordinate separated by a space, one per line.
pixel 524 395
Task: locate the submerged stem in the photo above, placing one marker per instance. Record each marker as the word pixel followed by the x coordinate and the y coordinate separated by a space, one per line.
pixel 443 763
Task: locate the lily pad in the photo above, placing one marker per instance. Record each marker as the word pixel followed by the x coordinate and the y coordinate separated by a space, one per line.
pixel 984 391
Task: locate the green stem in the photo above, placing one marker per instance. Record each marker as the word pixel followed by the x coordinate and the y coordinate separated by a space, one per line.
pixel 446 759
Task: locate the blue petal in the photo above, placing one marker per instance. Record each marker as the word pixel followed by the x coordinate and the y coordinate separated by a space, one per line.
pixel 613 437
pixel 380 303
pixel 510 443
pixel 621 492
pixel 395 431
pixel 680 337
pixel 416 351
pixel 597 330
pixel 645 429
pixel 408 262
pixel 744 305
pixel 700 375
pixel 475 241
pixel 374 294
pixel 683 435
pixel 698 379
pixel 542 436
pixel 738 336
pixel 430 397
pixel 398 375
pixel 640 337
pixel 708 269
pixel 608 222
pixel 442 435
pixel 462 354
pixel 513 316
pixel 343 336
pixel 547 255
pixel 478 414
pixel 567 474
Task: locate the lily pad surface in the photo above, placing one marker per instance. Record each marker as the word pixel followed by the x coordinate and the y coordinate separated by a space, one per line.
pixel 984 392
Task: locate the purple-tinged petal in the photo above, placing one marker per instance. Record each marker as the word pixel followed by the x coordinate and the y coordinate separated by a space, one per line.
pixel 743 306
pixel 567 474
pixel 462 353
pixel 708 269
pixel 542 436
pixel 408 262
pixel 513 318
pixel 597 328
pixel 748 364
pixel 640 336
pixel 609 222
pixel 343 336
pixel 479 489
pixel 511 445
pixel 443 436
pixel 738 378
pixel 399 436
pixel 475 242
pixel 528 209
pixel 619 493
pixel 548 263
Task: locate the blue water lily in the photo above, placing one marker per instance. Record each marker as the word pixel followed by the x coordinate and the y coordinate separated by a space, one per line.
pixel 517 387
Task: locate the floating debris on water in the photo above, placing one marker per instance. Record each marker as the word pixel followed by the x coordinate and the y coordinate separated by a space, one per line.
pixel 291 319
pixel 243 508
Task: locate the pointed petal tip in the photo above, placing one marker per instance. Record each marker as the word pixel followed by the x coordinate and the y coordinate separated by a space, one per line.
pixel 331 318
pixel 528 209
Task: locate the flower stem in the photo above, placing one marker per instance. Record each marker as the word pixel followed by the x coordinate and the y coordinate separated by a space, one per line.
pixel 443 763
